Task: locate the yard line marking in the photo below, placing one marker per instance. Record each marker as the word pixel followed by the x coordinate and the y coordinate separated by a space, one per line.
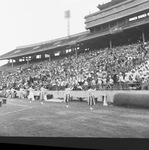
pixel 15 111
pixel 20 105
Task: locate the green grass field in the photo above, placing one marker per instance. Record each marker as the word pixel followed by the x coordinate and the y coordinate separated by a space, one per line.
pixel 53 119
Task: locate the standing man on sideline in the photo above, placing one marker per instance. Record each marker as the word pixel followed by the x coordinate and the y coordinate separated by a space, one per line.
pixel 43 93
pixel 91 98
pixel 67 96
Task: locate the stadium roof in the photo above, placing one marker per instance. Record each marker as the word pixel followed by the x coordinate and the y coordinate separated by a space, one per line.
pixel 94 35
pixel 44 46
pixel 121 28
pixel 109 4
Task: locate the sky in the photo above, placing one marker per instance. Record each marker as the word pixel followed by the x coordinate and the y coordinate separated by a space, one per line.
pixel 24 22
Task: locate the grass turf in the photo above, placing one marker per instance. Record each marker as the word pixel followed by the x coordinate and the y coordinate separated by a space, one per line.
pixel 50 119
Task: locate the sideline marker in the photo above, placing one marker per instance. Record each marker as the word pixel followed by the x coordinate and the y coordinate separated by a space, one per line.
pixel 91 108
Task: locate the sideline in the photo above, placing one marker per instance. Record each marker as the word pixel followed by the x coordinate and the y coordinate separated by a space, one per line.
pixel 14 111
pixel 10 112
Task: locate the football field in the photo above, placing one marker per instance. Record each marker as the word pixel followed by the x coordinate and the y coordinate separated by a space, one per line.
pixel 54 119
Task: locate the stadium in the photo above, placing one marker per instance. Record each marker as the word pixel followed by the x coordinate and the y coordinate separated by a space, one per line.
pixel 90 84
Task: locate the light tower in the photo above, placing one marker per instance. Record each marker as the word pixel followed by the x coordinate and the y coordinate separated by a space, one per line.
pixel 67 16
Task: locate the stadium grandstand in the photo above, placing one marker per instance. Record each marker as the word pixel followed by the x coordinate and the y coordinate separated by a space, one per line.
pixel 73 86
pixel 111 55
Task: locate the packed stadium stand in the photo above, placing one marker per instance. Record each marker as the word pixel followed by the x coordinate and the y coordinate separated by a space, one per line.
pixel 111 55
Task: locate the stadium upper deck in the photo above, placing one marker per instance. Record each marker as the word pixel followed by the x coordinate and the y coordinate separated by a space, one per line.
pixel 118 20
pixel 118 11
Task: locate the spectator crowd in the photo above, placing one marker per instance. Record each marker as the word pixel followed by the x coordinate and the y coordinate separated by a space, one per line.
pixel 121 67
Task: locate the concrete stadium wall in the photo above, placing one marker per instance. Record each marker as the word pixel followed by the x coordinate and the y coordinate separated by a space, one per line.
pixel 110 94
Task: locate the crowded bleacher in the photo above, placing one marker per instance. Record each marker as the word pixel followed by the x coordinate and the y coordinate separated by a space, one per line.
pixel 119 68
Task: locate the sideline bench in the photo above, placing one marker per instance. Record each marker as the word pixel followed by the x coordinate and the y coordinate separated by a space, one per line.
pixel 4 100
pixel 1 103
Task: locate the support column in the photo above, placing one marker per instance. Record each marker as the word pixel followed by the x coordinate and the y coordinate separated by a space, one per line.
pixel 27 60
pixel 42 56
pixel 143 37
pixel 76 51
pixel 101 28
pixel 109 26
pixel 12 63
pixel 110 43
pixel 49 57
